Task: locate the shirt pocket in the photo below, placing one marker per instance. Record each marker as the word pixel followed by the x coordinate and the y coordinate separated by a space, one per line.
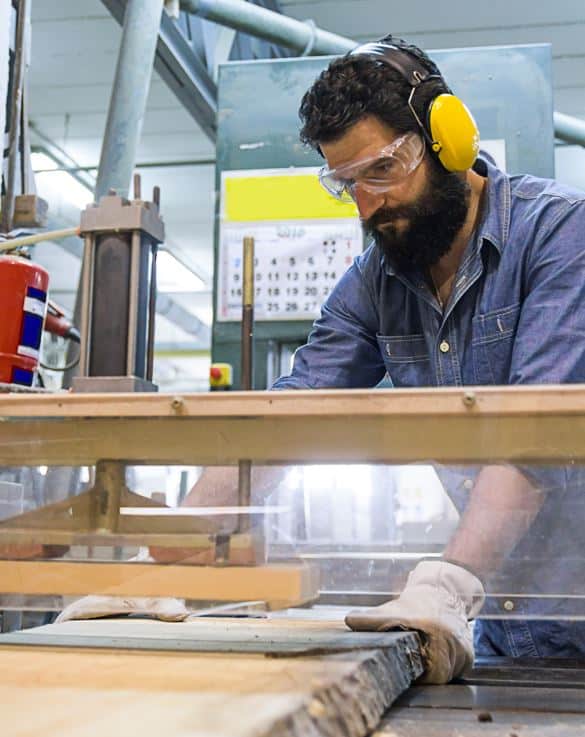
pixel 406 359
pixel 493 343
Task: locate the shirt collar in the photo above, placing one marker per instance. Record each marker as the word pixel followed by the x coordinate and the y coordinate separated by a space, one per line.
pixel 495 222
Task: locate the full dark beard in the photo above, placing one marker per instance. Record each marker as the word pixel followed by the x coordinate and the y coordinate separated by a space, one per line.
pixel 433 221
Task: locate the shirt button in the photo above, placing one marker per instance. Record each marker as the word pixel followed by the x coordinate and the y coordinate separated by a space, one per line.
pixel 444 347
pixel 468 484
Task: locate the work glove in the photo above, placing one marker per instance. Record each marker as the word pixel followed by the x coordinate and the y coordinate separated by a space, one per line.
pixel 94 607
pixel 438 600
pixel 165 608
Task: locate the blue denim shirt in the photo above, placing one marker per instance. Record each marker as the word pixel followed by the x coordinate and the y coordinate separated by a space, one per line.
pixel 516 315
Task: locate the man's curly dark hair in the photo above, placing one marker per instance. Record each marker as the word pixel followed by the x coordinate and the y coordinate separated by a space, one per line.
pixel 353 87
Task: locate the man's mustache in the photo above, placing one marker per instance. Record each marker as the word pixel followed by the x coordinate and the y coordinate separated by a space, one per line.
pixel 387 217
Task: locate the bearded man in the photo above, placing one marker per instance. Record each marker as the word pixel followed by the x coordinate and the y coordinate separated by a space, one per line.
pixel 472 277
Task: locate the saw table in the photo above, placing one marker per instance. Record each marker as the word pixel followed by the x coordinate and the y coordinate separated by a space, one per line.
pixel 292 675
pixel 281 675
pixel 287 677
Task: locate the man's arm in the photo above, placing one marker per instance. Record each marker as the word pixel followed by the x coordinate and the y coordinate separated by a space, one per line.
pixel 218 487
pixel 549 347
pixel 501 508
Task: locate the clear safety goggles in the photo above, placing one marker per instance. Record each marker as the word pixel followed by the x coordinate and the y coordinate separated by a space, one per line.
pixel 375 173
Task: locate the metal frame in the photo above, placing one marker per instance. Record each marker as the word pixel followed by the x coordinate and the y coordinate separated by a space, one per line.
pixel 15 121
pixel 529 424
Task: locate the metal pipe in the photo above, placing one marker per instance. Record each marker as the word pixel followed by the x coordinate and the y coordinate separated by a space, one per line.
pixel 182 69
pixel 304 38
pixel 247 372
pixel 133 294
pixel 15 116
pixel 83 303
pixel 244 494
pixel 151 314
pixel 569 129
pixel 129 96
pixel 30 240
pixel 152 297
pixel 308 39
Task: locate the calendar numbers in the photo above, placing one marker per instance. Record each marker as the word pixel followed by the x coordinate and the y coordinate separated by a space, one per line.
pixel 296 266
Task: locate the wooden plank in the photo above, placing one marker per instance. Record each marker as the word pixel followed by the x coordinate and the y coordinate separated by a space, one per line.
pixel 546 438
pixel 434 402
pixel 517 424
pixel 280 585
pixel 85 693
pixel 205 550
pixel 253 546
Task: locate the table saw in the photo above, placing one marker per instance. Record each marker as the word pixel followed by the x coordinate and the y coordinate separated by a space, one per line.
pixel 284 664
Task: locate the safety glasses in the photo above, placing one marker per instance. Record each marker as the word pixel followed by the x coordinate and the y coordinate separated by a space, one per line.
pixel 375 173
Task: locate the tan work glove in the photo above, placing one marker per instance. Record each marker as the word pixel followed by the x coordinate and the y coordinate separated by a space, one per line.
pixel 94 607
pixel 437 601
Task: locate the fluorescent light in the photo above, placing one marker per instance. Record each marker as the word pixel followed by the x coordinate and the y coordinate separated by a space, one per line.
pixel 54 184
pixel 42 162
pixel 173 276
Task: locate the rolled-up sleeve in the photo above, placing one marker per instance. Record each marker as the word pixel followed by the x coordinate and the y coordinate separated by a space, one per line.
pixel 549 347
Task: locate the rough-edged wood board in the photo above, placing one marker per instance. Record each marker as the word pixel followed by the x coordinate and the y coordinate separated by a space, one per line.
pixel 277 634
pixel 88 693
pixel 280 585
pixel 520 424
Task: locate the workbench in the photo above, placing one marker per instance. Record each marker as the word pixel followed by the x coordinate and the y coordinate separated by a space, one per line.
pixel 298 674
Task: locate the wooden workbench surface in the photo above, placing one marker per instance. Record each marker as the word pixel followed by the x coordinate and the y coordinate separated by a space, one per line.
pixel 332 689
pixel 452 425
pixel 484 400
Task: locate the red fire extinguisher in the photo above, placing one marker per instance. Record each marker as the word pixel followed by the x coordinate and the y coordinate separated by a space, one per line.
pixel 23 305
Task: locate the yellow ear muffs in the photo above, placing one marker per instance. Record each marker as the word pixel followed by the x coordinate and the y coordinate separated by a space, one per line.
pixel 454 133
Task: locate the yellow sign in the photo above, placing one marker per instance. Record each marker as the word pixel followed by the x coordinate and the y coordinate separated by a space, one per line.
pixel 280 197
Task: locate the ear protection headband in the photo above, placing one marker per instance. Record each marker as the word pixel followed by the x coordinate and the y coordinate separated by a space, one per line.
pixel 447 125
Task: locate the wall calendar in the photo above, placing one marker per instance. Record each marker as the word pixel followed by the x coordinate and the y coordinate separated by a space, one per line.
pixel 304 241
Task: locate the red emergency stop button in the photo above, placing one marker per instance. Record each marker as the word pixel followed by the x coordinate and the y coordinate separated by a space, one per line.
pixel 220 376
